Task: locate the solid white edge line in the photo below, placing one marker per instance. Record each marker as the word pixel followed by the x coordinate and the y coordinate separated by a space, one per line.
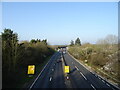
pixel 40 72
pixel 110 83
pixel 93 87
pixel 89 70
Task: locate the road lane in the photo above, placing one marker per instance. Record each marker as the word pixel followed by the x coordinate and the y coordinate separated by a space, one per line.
pixel 58 77
pixel 76 78
pixel 92 80
pixel 43 80
pixel 52 76
pixel 79 77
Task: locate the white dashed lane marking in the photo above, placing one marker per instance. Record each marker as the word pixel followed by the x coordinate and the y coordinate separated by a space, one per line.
pixel 52 69
pixel 76 68
pixel 103 81
pixel 93 87
pixel 95 75
pixel 99 77
pixel 113 88
pixel 83 76
pixel 50 78
pixel 108 84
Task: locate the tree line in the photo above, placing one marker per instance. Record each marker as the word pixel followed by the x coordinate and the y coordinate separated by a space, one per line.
pixel 16 56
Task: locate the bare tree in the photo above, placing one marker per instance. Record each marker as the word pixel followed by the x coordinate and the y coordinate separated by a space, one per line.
pixel 109 39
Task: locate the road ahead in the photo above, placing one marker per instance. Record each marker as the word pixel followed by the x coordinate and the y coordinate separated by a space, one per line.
pixel 52 75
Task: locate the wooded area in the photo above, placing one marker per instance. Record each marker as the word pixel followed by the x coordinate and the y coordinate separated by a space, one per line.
pixel 16 56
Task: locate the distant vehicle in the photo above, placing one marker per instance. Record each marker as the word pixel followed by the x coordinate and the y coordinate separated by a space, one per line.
pixel 59 60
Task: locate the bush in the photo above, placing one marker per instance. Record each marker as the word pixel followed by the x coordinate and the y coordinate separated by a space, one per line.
pixel 95 54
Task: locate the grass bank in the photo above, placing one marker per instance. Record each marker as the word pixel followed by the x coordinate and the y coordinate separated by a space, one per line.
pixel 102 59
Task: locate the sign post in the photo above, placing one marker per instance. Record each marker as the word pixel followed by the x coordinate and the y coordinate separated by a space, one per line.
pixel 66 69
pixel 31 69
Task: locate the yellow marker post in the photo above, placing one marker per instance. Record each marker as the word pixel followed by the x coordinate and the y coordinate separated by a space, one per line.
pixel 31 69
pixel 67 69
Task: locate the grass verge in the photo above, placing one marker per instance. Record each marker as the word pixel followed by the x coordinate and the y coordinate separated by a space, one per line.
pixel 99 71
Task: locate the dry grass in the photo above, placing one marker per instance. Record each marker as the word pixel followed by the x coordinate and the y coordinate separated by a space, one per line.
pixel 104 57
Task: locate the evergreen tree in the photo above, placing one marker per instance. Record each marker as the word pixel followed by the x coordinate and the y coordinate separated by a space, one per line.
pixel 77 42
pixel 33 41
pixel 9 49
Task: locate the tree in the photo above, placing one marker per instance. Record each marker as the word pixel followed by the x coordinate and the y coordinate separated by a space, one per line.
pixel 77 42
pixel 10 50
pixel 109 39
pixel 45 41
pixel 71 43
pixel 38 40
pixel 16 56
pixel 7 47
pixel 33 41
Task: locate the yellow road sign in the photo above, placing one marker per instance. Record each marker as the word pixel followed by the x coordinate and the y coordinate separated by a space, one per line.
pixel 67 69
pixel 31 69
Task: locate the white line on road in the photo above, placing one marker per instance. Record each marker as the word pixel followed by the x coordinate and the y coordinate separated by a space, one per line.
pixel 99 77
pixel 113 88
pixel 95 75
pixel 103 81
pixel 72 62
pixel 108 84
pixel 50 78
pixel 41 72
pixel 83 76
pixel 89 69
pixel 52 69
pixel 93 87
pixel 76 68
